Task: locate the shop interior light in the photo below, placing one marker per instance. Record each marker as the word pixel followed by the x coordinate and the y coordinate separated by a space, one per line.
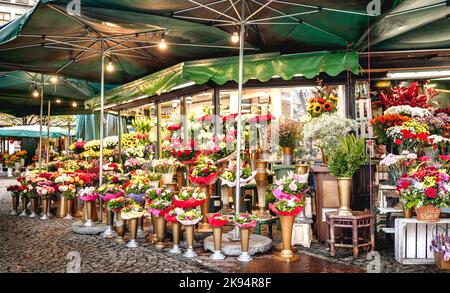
pixel 74 104
pixel 235 37
pixel 58 101
pixel 110 66
pixel 54 79
pixel 162 44
pixel 418 74
pixel 35 92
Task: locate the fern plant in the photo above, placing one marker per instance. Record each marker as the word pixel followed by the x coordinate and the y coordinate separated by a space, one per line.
pixel 348 157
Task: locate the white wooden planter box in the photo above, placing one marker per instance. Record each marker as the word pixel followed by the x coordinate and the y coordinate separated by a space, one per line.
pixel 413 239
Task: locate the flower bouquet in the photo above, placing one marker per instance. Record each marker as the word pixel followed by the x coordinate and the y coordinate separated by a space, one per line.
pixel 204 173
pixel 189 197
pixel 133 163
pixel 88 194
pixel 118 203
pixel 287 206
pixel 191 217
pixel 15 191
pixel 245 220
pixel 110 191
pixel 411 135
pixel 45 190
pixel 289 186
pixel 228 176
pixel 217 220
pixel 440 246
pixel 381 123
pixel 407 95
pixel 132 211
pixel 160 206
pixel 399 164
pixel 172 215
pixel 155 193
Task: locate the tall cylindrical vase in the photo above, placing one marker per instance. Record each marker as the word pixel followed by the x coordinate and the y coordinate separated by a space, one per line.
pixel 245 242
pixel 133 231
pixel 15 204
pixel 69 209
pixel 109 232
pixel 407 213
pixel 166 178
pixel 190 242
pixel 176 230
pixel 288 155
pixel 205 227
pixel 262 182
pixel 17 167
pixel 45 208
pixel 225 194
pixel 286 255
pixel 33 208
pixel 217 236
pixel 153 238
pixel 160 232
pixel 140 227
pixel 24 200
pixel 10 172
pixel 344 190
pixel 1 169
pixel 120 228
pixel 62 207
pixel 89 208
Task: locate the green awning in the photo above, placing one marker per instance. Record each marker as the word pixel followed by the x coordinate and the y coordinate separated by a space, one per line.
pixel 262 67
pixel 32 131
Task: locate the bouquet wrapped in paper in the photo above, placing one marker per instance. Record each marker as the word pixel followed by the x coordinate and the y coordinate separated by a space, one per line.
pixel 189 197
pixel 191 217
pixel 158 193
pixel 110 191
pixel 159 207
pixel 287 207
pixel 217 220
pixel 228 177
pixel 245 220
pixel 117 204
pixel 204 172
pixel 172 215
pixel 290 186
pixel 88 194
pixel 132 211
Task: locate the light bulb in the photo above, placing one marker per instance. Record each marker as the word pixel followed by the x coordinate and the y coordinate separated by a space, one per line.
pixel 110 66
pixel 74 104
pixel 235 37
pixel 35 92
pixel 162 44
pixel 58 101
pixel 54 79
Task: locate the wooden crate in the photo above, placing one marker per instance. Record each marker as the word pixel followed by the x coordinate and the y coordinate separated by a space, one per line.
pixel 413 239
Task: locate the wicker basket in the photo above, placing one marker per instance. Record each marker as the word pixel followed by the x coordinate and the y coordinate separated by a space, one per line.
pixel 428 213
pixel 440 262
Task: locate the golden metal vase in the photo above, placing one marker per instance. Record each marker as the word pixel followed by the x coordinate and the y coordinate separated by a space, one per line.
pixel 190 253
pixel 160 232
pixel 217 237
pixel 133 232
pixel 33 207
pixel 301 169
pixel 205 227
pixel 286 255
pixel 153 238
pixel 15 204
pixel 45 208
pixel 407 213
pixel 63 208
pixel 344 190
pixel 245 243
pixel 24 201
pixel 120 228
pixel 288 155
pixel 176 230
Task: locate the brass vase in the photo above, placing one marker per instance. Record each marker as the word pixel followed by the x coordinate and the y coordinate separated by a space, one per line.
pixel 324 157
pixel 45 208
pixel 205 227
pixel 160 232
pixel 33 208
pixel 217 236
pixel 109 232
pixel 190 242
pixel 24 200
pixel 245 242
pixel 176 230
pixel 63 209
pixel 120 228
pixel 262 182
pixel 89 210
pixel 286 255
pixel 301 169
pixel 140 227
pixel 152 238
pixel 133 231
pixel 344 190
pixel 15 204
pixel 69 208
pixel 288 155
pixel 407 213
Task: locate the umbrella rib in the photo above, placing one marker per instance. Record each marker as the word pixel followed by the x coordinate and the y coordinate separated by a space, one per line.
pixel 143 54
pixel 214 10
pixel 258 10
pixel 321 7
pixel 235 10
pixel 198 7
pixel 283 16
pixel 204 19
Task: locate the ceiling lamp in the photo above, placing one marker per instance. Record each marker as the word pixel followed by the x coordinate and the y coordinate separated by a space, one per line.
pixel 53 79
pixel 417 74
pixel 58 101
pixel 235 37
pixel 110 66
pixel 74 104
pixel 35 92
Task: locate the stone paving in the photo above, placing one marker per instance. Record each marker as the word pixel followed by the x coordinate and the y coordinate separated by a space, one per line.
pixel 33 245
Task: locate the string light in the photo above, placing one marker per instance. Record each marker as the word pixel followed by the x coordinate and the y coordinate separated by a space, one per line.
pixel 35 92
pixel 58 101
pixel 110 66
pixel 235 38
pixel 162 44
pixel 54 79
pixel 74 104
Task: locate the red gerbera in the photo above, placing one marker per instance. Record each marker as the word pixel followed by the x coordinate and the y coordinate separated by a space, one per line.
pixel 430 192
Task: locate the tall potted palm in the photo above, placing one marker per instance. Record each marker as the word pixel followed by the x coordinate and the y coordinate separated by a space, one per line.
pixel 343 163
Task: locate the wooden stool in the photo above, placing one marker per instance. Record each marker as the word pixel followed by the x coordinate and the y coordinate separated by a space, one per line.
pixel 269 222
pixel 363 220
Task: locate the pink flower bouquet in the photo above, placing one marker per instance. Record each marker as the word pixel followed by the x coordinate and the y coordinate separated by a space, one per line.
pixel 245 220
pixel 87 194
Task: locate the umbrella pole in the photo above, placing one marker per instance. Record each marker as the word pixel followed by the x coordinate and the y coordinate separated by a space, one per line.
pixel 102 118
pixel 119 114
pixel 236 234
pixel 48 135
pixel 40 123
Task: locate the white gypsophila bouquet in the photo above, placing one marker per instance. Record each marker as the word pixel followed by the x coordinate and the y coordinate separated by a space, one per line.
pixel 408 111
pixel 110 142
pixel 327 129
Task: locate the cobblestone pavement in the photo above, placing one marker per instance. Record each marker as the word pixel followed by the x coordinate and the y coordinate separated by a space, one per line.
pixel 33 245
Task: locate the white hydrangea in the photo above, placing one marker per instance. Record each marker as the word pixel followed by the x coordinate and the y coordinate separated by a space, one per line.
pixel 408 110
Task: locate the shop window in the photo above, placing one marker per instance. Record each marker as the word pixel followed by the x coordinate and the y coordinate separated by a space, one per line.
pixel 5 17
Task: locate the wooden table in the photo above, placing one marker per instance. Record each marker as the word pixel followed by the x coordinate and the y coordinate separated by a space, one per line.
pixel 358 221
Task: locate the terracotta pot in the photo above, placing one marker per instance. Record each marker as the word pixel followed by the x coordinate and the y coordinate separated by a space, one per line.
pixel 286 255
pixel 428 213
pixel 440 262
pixel 344 190
pixel 205 227
pixel 288 155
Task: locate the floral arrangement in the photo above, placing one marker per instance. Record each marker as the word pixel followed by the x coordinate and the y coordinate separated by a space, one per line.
pixel 22 154
pixel 160 206
pixel 14 189
pixel 325 101
pixel 399 164
pixel 348 157
pixel 93 145
pixel 290 132
pixel 133 163
pixel 289 186
pixel 287 206
pixel 441 245
pixel 245 220
pixel 153 176
pixel 45 191
pixel 407 110
pixel 172 215
pixel 118 203
pixel 110 191
pixel 113 167
pixel 10 160
pixel 228 176
pixel 436 123
pixel 110 142
pixel 165 165
pixel 189 197
pixel 191 217
pixel 88 194
pixel 407 95
pixel 410 135
pixel 138 187
pixel 129 140
pixel 138 151
pixel 327 129
pixel 132 211
pixel 68 190
pixel 425 186
pixel 382 123
pixel 217 220
pixel 205 172
pixel 185 152
pixel 161 193
pixel 78 146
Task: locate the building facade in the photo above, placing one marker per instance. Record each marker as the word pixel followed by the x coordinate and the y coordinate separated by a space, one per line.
pixel 12 9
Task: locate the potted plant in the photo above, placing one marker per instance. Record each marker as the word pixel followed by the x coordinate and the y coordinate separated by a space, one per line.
pixel 344 162
pixel 440 246
pixel 189 219
pixel 425 189
pixel 132 212
pixel 289 132
pixel 245 221
pixel 217 221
